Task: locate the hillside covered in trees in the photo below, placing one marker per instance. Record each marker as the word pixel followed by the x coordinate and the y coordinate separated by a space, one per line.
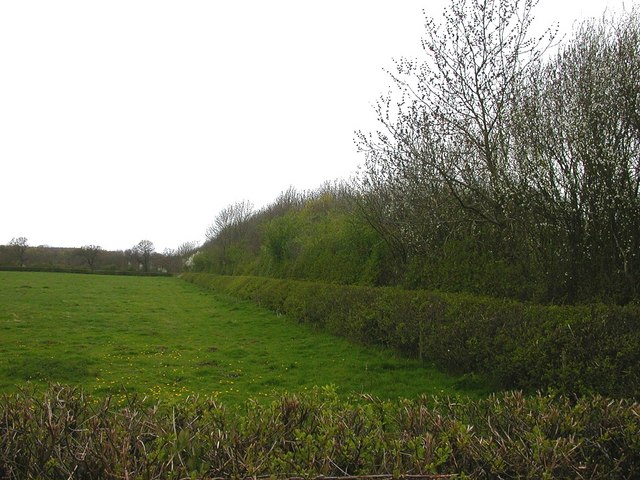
pixel 506 165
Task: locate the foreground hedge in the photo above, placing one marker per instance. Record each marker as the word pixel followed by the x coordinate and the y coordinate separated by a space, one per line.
pixel 64 434
pixel 577 349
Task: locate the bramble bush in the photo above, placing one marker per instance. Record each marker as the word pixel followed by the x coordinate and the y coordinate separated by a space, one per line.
pixel 63 433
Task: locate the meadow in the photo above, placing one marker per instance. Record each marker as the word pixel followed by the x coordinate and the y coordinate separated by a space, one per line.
pixel 166 379
pixel 165 338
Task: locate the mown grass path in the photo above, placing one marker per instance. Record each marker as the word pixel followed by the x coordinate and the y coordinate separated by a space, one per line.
pixel 167 338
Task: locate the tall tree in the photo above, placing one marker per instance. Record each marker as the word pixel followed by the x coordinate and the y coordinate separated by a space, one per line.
pixel 442 163
pixel 90 254
pixel 142 253
pixel 186 249
pixel 228 227
pixel 20 246
pixel 230 219
pixel 577 134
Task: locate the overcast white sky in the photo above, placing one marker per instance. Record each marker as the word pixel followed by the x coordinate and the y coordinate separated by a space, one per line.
pixel 130 120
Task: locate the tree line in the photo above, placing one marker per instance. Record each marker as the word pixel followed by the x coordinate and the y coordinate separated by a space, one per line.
pixel 509 160
pixel 142 257
pixel 315 234
pixel 506 165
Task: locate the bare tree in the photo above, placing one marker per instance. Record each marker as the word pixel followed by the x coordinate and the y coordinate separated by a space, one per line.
pixel 90 254
pixel 20 245
pixel 443 160
pixel 229 226
pixel 142 252
pixel 230 219
pixel 186 249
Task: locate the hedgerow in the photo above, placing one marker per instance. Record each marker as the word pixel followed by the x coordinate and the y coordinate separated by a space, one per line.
pixel 87 271
pixel 62 433
pixel 572 349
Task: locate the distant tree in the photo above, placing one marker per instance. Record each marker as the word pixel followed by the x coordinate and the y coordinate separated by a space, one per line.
pixel 142 253
pixel 20 245
pixel 229 226
pixel 90 254
pixel 186 249
pixel 230 219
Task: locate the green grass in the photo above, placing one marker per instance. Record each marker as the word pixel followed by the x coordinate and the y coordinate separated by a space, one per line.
pixel 166 338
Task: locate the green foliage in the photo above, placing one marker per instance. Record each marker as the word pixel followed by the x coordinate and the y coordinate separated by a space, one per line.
pixel 505 171
pixel 64 433
pixel 325 236
pixel 464 266
pixel 280 244
pixel 575 349
pixel 320 236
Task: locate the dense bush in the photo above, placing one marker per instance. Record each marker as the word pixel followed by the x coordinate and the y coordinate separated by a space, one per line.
pixel 65 434
pixel 571 348
pixel 314 235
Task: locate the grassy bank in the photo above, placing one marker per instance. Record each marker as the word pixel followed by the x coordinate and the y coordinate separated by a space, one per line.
pixel 167 338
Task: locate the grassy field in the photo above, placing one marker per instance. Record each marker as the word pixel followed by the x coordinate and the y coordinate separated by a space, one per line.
pixel 166 338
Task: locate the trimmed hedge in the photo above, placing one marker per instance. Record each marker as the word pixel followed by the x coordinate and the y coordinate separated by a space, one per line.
pixel 64 434
pixel 573 349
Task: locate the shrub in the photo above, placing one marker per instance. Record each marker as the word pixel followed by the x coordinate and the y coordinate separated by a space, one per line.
pixel 65 434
